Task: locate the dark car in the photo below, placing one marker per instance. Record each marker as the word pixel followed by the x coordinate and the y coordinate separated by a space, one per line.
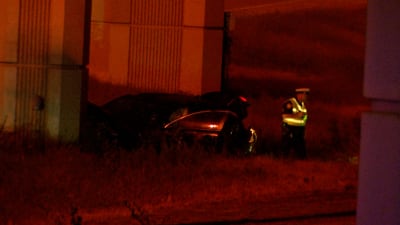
pixel 152 118
pixel 140 117
pixel 99 132
pixel 218 130
pixel 226 100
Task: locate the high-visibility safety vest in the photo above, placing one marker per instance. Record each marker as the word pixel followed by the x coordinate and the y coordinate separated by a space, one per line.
pixel 298 116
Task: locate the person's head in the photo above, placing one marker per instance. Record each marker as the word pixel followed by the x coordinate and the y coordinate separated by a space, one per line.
pixel 302 93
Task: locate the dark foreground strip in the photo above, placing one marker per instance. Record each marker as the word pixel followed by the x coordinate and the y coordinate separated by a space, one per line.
pixel 275 220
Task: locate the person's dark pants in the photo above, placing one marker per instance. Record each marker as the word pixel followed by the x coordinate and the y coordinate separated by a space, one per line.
pixel 293 138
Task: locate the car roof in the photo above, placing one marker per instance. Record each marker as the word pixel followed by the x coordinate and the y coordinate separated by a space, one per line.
pixel 223 98
pixel 209 100
pixel 159 108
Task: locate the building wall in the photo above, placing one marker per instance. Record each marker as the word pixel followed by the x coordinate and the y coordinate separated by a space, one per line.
pixel 379 171
pixel 134 46
pixel 156 46
pixel 42 45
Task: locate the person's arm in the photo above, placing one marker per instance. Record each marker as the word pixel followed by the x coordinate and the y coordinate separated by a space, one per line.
pixel 291 117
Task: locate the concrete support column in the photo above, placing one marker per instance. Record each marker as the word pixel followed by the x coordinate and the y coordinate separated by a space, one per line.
pixel 9 10
pixel 110 36
pixel 42 66
pixel 203 24
pixel 68 57
pixel 379 172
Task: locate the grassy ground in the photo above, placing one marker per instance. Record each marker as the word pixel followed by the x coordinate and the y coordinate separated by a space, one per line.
pixel 52 183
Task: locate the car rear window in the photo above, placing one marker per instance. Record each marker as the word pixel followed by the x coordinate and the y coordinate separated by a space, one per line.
pixel 210 120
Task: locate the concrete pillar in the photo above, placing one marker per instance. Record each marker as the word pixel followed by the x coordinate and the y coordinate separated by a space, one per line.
pixel 68 57
pixel 9 10
pixel 379 171
pixel 42 65
pixel 110 34
pixel 156 46
pixel 8 81
pixel 203 23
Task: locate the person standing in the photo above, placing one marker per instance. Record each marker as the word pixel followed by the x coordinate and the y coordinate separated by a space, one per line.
pixel 294 119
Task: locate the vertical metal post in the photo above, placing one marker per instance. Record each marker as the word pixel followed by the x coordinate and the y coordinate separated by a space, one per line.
pixel 226 48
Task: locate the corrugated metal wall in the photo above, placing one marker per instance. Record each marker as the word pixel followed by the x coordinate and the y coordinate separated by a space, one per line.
pixel 153 61
pixel 32 58
pixel 155 45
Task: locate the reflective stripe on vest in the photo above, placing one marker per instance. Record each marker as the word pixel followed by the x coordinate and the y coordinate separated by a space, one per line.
pixel 293 119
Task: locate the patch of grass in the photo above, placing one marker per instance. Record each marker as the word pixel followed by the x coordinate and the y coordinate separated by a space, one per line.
pixel 44 184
